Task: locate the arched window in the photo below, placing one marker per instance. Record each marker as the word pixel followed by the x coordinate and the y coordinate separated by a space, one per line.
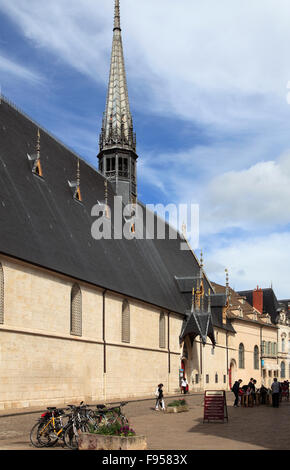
pixel 241 356
pixel 1 294
pixel 125 322
pixel 282 370
pixel 216 378
pixel 76 311
pixel 256 357
pixel 162 331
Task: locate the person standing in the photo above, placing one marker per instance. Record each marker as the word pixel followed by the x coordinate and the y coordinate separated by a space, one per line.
pixel 184 385
pixel 275 393
pixel 159 398
pixel 235 390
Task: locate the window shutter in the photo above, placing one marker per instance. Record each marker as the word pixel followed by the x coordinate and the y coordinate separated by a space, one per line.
pixel 162 342
pixel 125 322
pixel 1 294
pixel 76 311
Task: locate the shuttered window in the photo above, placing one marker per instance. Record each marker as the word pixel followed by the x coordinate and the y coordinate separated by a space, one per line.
pixel 1 294
pixel 76 311
pixel 256 357
pixel 125 322
pixel 162 341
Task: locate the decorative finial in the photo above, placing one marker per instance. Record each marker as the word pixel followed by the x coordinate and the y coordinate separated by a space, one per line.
pixel 227 278
pixel 117 21
pixel 201 259
pixel 37 165
pixel 78 185
pixel 209 301
pixel 184 229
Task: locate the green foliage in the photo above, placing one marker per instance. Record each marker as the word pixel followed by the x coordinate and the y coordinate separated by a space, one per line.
pixel 177 403
pixel 115 429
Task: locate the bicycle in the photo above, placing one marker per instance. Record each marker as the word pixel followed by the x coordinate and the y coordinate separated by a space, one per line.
pixel 49 428
pixel 79 423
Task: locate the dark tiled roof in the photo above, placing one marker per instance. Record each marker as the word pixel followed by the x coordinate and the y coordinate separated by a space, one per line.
pixel 41 223
pixel 270 302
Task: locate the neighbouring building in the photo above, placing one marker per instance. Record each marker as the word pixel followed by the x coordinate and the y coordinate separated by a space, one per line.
pixel 266 303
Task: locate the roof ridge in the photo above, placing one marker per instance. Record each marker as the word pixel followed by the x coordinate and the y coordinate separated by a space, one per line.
pixel 50 134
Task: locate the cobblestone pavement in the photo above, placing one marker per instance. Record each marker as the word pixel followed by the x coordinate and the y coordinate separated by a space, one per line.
pixel 258 428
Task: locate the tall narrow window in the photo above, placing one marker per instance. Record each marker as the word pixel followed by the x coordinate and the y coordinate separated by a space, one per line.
pixel 125 322
pixel 263 347
pixel 162 331
pixel 1 294
pixel 76 311
pixel 282 370
pixel 283 344
pixel 241 356
pixel 256 357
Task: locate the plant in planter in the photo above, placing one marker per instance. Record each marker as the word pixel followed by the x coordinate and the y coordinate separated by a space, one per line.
pixel 177 406
pixel 112 437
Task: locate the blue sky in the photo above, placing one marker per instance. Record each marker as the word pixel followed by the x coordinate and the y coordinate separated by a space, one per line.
pixel 208 92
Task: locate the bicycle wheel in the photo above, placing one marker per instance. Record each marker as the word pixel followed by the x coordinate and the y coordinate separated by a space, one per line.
pixel 71 435
pixel 47 436
pixel 34 435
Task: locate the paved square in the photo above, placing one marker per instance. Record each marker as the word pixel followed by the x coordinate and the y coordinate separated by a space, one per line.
pixel 257 428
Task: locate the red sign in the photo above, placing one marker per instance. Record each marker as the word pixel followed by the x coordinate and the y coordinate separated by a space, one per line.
pixel 215 406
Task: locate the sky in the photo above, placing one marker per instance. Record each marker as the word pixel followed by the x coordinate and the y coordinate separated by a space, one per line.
pixel 209 90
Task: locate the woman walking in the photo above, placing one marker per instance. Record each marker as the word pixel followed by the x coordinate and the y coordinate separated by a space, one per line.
pixel 159 398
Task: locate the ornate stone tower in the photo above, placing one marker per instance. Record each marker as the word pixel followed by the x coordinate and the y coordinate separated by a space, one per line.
pixel 117 156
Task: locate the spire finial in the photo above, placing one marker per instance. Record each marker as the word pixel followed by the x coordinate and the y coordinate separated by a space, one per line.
pixel 201 259
pixel 117 21
pixel 37 165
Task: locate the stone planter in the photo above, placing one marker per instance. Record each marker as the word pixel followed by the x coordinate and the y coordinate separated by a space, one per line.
pixel 88 441
pixel 177 409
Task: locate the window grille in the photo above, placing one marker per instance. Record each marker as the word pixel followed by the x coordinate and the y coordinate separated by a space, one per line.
pixel 241 356
pixel 76 311
pixel 125 322
pixel 162 341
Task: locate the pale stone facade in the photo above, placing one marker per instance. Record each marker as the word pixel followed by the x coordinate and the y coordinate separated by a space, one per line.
pixel 43 364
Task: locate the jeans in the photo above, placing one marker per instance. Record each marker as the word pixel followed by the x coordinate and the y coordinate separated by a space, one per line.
pixel 160 401
pixel 237 398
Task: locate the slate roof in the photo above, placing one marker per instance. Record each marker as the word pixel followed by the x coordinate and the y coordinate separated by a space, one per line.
pixel 238 301
pixel 270 302
pixel 41 223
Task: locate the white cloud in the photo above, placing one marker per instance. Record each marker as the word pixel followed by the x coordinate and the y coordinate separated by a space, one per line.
pixel 254 199
pixel 256 261
pixel 225 65
pixel 9 67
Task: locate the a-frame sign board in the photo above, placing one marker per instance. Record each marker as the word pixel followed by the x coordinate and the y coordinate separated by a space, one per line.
pixel 215 406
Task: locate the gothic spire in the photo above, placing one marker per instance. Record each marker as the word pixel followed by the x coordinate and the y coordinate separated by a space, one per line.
pixel 117 128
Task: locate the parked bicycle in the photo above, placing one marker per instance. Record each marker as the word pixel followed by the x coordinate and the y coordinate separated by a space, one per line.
pixel 66 424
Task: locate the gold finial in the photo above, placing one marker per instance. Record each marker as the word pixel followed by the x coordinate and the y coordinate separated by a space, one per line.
pixel 37 165
pixel 78 185
pixel 201 259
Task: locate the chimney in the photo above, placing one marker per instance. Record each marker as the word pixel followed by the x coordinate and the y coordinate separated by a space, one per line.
pixel 258 299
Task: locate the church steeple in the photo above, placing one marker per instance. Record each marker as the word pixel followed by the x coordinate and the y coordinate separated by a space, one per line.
pixel 117 157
